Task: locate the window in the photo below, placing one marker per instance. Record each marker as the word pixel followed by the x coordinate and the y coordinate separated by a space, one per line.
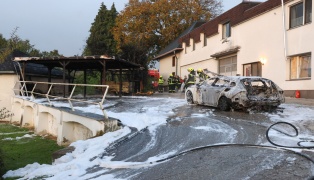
pixel 173 61
pixel 308 11
pixel 301 14
pixel 193 45
pixel 221 82
pixel 226 30
pixel 205 40
pixel 252 69
pixel 300 67
pixel 228 66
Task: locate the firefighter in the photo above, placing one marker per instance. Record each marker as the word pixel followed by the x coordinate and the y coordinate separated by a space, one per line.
pixel 160 84
pixel 201 75
pixel 171 84
pixel 178 83
pixel 183 83
pixel 191 78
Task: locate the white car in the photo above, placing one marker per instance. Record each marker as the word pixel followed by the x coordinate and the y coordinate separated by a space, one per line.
pixel 237 92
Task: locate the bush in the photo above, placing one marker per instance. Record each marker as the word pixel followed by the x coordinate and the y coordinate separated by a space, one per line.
pixel 2 167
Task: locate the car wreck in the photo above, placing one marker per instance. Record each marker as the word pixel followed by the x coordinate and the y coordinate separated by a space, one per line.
pixel 236 92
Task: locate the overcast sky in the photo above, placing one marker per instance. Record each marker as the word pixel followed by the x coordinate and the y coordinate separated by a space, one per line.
pixel 57 24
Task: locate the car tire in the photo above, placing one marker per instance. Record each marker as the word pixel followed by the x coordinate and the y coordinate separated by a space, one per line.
pixel 224 103
pixel 189 97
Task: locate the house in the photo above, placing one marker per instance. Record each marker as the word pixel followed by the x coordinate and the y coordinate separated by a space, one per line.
pixel 271 39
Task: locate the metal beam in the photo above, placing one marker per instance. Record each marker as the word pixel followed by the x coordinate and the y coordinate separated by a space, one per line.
pixel 103 74
pixel 120 81
pixel 85 83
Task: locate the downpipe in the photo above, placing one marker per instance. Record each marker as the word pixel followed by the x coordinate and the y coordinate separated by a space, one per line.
pixel 284 28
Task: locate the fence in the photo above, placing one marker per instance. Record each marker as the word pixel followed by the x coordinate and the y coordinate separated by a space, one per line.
pixel 23 91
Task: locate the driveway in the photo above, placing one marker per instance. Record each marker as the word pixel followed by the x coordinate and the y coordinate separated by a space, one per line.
pixel 199 142
pixel 165 138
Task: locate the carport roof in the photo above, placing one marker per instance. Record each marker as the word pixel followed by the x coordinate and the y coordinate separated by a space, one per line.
pixel 80 62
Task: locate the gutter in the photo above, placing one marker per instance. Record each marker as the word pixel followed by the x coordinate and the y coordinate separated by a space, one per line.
pixel 166 53
pixel 7 72
pixel 175 55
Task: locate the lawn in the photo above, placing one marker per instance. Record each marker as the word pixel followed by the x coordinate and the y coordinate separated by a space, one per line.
pixel 19 147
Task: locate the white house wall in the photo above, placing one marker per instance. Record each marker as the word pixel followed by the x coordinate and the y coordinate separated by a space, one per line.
pixel 299 40
pixel 262 37
pixel 168 68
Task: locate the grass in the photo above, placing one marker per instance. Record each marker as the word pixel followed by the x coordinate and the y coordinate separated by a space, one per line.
pixel 17 152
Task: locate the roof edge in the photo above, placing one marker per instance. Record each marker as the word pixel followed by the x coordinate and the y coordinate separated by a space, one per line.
pixel 164 54
pixel 7 72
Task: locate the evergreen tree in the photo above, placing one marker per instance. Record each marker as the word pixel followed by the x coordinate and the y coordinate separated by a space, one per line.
pixel 101 40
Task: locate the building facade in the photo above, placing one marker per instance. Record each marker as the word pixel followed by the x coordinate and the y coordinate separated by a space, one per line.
pixel 270 39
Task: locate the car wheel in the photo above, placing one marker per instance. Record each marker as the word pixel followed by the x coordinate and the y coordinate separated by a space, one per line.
pixel 189 97
pixel 224 104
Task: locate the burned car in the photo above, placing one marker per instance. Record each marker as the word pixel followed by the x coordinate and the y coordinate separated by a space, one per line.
pixel 236 92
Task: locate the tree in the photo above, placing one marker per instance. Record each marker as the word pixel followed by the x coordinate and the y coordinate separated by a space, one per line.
pixel 101 39
pixel 53 53
pixel 153 24
pixel 3 42
pixel 134 53
pixel 15 43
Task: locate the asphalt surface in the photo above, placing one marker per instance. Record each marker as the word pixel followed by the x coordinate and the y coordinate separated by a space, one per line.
pixel 232 146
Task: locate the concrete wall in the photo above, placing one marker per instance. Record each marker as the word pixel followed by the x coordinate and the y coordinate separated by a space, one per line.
pixel 66 126
pixel 7 83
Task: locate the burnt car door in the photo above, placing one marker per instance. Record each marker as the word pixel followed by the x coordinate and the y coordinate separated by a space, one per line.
pixel 202 90
pixel 211 93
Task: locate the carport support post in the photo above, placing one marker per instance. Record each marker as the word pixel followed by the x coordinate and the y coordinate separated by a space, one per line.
pixel 69 80
pixel 64 64
pixel 23 75
pixel 84 83
pixel 120 85
pixel 23 71
pixel 49 76
pixel 132 81
pixel 103 74
pixel 64 80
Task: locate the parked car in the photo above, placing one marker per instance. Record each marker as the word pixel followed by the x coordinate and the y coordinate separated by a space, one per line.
pixel 237 92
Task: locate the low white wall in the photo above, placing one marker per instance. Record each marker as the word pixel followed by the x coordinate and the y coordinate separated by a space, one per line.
pixel 67 127
pixel 7 83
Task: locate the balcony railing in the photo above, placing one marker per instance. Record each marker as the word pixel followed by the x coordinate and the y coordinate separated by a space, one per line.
pixel 25 92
